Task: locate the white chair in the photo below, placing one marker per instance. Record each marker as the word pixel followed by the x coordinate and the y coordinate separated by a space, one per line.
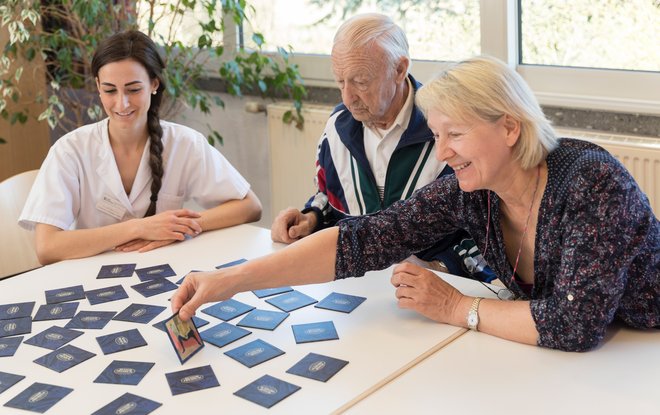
pixel 17 252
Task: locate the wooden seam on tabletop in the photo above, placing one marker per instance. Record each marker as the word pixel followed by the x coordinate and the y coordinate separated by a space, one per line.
pixel 400 371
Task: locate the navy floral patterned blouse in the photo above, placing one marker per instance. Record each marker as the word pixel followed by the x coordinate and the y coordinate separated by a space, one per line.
pixel 597 249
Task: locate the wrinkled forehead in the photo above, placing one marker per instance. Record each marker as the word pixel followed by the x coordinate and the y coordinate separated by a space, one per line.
pixel 347 61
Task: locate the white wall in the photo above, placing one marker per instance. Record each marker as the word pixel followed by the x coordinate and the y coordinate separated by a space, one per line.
pixel 245 143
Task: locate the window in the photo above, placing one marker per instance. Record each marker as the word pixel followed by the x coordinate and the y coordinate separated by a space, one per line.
pixel 607 34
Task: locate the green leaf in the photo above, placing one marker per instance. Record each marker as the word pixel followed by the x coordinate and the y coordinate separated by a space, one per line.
pixel 258 39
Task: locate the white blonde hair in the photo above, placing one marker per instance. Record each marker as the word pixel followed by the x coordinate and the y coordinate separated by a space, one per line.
pixel 363 31
pixel 485 88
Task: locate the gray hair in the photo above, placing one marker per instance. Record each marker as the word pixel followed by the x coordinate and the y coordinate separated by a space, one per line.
pixel 364 30
pixel 486 88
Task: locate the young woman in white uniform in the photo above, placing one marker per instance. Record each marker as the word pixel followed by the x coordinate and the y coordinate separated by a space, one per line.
pixel 121 183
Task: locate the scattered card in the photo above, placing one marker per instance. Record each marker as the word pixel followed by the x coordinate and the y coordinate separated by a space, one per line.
pixel 129 403
pixel 15 326
pixel 263 319
pixel 90 320
pixel 8 345
pixel 39 397
pixel 123 340
pixel 291 301
pixel 64 358
pixel 267 391
pixel 62 295
pixel 184 336
pixel 152 287
pixel 184 277
pixel 199 322
pixel 157 271
pixel 140 313
pixel 254 353
pixel 227 310
pixel 105 295
pixel 318 367
pixel 191 380
pixel 116 271
pixel 56 311
pixel 7 380
pixel 232 263
pixel 314 332
pixel 267 292
pixel 16 310
pixel 223 334
pixel 122 372
pixel 53 338
pixel 340 302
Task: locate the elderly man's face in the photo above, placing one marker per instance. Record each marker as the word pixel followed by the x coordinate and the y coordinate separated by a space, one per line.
pixel 368 82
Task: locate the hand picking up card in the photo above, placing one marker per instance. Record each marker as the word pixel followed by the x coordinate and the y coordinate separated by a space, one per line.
pixel 184 337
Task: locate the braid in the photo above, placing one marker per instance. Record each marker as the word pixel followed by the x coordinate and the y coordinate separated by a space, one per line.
pixel 155 158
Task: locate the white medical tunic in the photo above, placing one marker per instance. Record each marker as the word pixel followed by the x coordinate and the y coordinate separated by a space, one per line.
pixel 79 186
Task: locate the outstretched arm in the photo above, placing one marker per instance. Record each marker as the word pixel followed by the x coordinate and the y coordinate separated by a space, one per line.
pixel 308 261
pixel 233 212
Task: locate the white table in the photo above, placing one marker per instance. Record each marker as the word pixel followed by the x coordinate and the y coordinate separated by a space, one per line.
pixel 481 374
pixel 378 338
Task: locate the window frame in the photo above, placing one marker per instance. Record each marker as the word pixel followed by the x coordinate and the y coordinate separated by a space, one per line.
pixel 583 88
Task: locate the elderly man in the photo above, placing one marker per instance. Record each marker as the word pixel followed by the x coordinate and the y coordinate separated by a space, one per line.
pixel 376 148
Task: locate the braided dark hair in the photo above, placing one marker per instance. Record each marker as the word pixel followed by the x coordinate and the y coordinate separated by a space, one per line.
pixel 139 47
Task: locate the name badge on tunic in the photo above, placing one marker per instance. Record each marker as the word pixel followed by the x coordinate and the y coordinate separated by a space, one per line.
pixel 112 207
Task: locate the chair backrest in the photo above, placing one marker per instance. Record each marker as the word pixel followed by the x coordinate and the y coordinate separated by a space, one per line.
pixel 16 244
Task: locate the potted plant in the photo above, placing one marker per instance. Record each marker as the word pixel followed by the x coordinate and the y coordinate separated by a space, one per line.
pixel 64 33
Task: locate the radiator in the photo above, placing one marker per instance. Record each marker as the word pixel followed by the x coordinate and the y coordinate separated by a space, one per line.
pixel 640 155
pixel 293 155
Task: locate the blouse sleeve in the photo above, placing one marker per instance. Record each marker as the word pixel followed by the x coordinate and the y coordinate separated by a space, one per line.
pixel 601 223
pixel 55 195
pixel 376 241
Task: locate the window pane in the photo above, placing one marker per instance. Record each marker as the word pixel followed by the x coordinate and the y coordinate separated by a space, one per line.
pixel 436 30
pixel 611 34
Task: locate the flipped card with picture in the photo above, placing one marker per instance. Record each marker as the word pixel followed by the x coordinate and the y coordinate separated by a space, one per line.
pixel 129 403
pixel 184 337
pixel 39 397
pixel 56 311
pixel 267 391
pixel 64 358
pixel 16 310
pixel 123 340
pixel 191 380
pixel 157 271
pixel 62 295
pixel 199 322
pixel 105 295
pixel 116 271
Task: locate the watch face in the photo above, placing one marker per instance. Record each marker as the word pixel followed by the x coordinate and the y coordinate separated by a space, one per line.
pixel 473 319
